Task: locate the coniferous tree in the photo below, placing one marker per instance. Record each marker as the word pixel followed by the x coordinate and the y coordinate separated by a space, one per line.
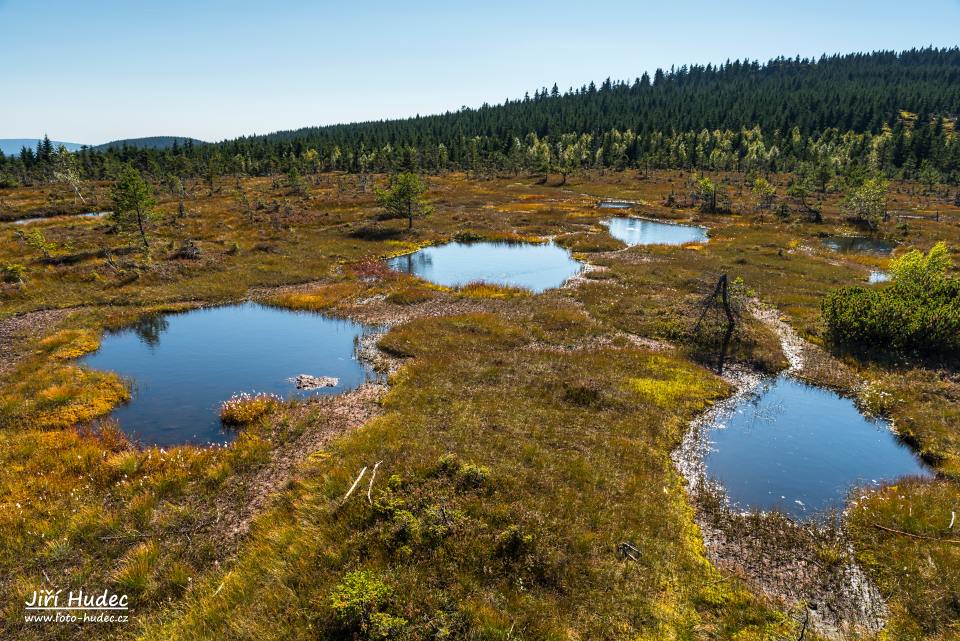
pixel 878 113
pixel 404 198
pixel 132 203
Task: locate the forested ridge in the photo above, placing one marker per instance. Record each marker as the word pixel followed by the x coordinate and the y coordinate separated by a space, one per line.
pixel 885 112
pixel 150 142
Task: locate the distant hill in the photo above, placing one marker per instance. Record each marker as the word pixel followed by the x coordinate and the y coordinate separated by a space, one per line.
pixel 675 118
pixel 895 109
pixel 12 146
pixel 152 142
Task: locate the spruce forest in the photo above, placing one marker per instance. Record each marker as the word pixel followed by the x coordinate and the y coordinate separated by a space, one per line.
pixel 885 112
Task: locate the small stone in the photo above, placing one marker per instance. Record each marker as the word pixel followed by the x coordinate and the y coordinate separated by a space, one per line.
pixel 308 382
pixel 189 250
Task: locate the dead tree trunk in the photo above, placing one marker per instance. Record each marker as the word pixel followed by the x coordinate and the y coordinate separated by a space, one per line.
pixel 721 296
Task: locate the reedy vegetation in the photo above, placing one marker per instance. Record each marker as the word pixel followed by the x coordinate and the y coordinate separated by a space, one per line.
pixel 484 386
pixel 527 435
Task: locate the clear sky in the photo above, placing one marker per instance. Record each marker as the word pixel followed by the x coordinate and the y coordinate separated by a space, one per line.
pixel 91 71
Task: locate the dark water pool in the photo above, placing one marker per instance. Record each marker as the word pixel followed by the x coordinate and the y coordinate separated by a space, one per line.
pixel 535 267
pixel 639 231
pixel 801 449
pixel 859 245
pixel 614 204
pixel 184 365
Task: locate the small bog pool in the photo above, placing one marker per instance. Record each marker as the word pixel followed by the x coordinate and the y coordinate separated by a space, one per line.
pixel 27 221
pixel 878 277
pixel 859 245
pixel 615 204
pixel 182 366
pixel 800 449
pixel 534 267
pixel 639 231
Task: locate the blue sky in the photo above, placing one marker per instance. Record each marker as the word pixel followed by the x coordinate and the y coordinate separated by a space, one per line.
pixel 92 71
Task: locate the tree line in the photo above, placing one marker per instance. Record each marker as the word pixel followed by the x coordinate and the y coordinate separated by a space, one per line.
pixel 883 113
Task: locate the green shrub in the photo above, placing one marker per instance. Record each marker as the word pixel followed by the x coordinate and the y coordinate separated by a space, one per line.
pixel 12 273
pixel 358 603
pixel 919 312
pixel 471 477
pixel 448 464
pixel 513 542
pixel 585 392
pixel 385 626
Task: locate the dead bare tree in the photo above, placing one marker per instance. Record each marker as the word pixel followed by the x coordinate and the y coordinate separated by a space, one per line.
pixel 718 300
pixel 65 171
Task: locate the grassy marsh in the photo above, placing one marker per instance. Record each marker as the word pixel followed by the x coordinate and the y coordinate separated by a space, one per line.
pixel 522 440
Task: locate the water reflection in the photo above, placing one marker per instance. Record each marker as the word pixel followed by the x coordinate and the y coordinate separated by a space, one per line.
pixel 859 244
pixel 801 448
pixel 640 231
pixel 536 267
pixel 182 366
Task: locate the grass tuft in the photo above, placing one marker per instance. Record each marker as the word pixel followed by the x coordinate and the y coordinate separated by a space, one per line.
pixel 245 409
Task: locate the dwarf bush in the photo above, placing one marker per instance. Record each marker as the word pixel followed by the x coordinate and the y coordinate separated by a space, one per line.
pixel 919 312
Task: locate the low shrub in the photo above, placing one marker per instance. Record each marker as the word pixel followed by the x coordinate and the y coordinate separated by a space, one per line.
pixel 358 603
pixel 319 298
pixel 12 273
pixel 919 312
pixel 376 232
pixel 411 294
pixel 443 335
pixel 585 392
pixel 8 182
pixel 471 477
pixel 590 242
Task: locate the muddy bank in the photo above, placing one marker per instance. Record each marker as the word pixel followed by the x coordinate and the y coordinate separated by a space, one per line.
pixel 805 566
pixel 329 417
pixel 17 331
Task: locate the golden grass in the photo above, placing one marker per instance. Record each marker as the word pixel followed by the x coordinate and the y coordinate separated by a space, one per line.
pixel 912 559
pixel 470 529
pixel 492 290
pixel 671 384
pixel 61 396
pixel 321 298
pixel 567 444
pixel 69 344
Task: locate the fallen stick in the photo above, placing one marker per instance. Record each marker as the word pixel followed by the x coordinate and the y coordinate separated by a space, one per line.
pixel 373 475
pixel 354 486
pixel 915 536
